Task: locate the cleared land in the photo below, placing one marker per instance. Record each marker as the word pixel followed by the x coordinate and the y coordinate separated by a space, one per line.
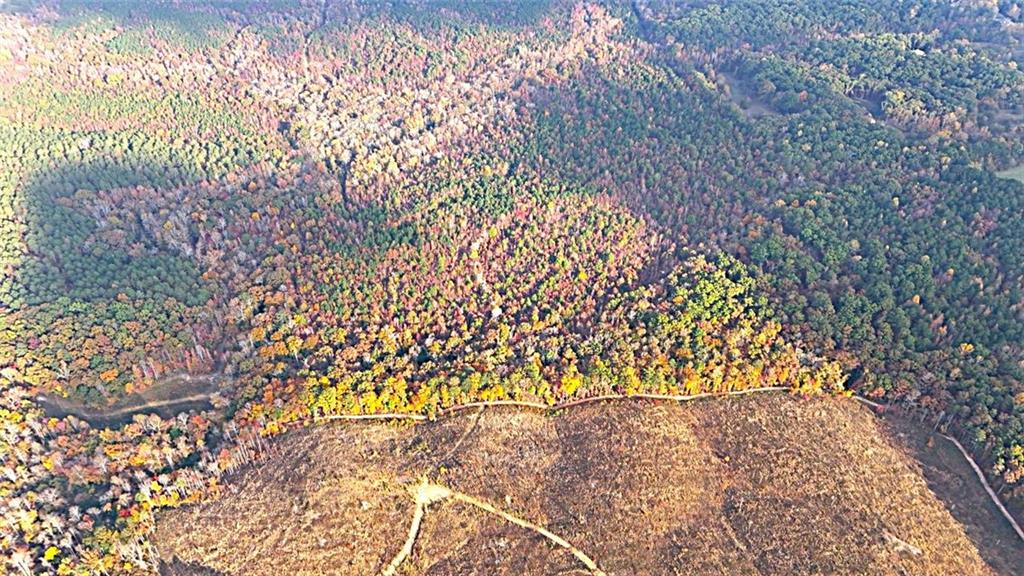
pixel 745 98
pixel 767 485
pixel 168 397
pixel 1013 173
pixel 952 480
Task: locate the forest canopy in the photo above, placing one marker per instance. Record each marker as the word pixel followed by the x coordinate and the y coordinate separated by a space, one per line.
pixel 334 208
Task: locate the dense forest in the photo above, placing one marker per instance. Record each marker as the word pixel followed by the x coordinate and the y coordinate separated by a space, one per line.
pixel 353 209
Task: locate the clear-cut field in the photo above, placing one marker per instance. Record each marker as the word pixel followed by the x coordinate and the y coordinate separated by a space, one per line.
pixel 766 485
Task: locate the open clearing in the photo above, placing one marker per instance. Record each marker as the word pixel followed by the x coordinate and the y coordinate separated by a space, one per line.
pixel 1013 174
pixel 168 397
pixel 953 481
pixel 745 98
pixel 768 485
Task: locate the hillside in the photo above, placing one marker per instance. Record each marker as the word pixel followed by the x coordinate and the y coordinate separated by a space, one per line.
pixel 225 223
pixel 766 485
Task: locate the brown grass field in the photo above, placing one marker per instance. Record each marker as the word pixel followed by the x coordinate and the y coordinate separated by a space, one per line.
pixel 767 485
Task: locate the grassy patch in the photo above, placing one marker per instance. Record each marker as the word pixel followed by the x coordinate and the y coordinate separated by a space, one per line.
pixel 1013 174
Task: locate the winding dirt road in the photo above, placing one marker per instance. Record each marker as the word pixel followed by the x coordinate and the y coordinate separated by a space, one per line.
pixel 167 397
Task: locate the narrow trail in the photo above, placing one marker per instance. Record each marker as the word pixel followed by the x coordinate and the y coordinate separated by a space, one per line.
pixel 426 493
pixel 546 408
pixel 151 405
pixel 974 466
pixel 202 401
pixel 168 397
pixel 540 406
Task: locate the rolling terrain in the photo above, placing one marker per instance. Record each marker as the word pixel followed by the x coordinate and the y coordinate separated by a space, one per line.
pixel 767 485
pixel 231 230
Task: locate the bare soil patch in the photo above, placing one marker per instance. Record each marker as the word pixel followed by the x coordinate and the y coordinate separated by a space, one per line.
pixel 953 481
pixel 1013 174
pixel 171 395
pixel 767 485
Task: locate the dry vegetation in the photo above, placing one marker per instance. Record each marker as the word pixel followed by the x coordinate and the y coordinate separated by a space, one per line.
pixel 773 485
pixel 953 481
